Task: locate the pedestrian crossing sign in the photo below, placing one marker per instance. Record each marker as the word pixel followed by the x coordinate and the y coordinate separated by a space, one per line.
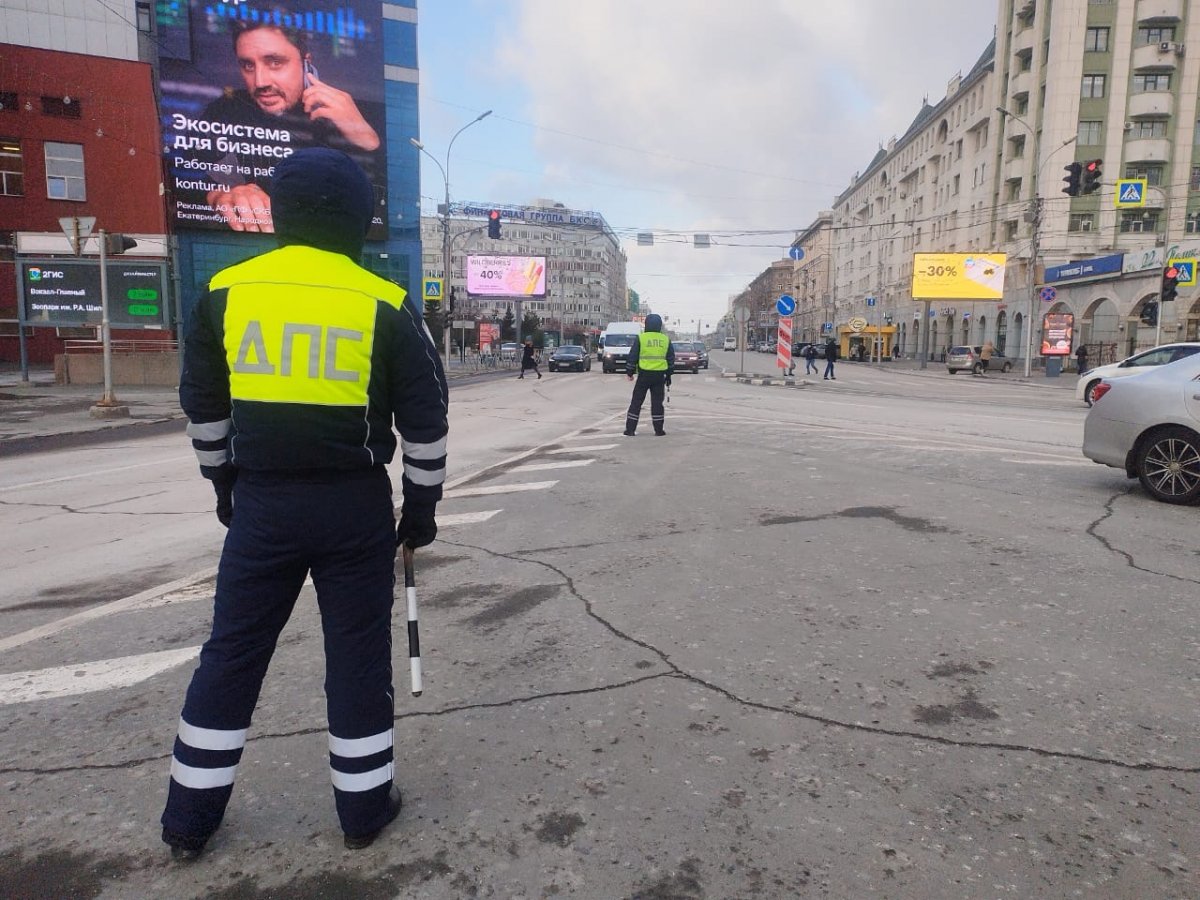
pixel 433 289
pixel 1131 192
pixel 1187 271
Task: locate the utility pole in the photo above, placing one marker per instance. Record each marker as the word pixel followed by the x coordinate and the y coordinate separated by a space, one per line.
pixel 1034 215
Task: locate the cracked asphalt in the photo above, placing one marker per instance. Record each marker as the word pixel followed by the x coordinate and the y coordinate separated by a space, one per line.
pixel 892 638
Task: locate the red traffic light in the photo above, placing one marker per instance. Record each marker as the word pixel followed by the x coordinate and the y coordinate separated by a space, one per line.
pixel 1171 272
pixel 494 215
pixel 494 223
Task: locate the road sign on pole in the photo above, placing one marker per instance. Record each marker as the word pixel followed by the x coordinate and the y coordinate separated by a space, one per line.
pixel 1186 269
pixel 76 228
pixel 785 305
pixel 796 253
pixel 783 357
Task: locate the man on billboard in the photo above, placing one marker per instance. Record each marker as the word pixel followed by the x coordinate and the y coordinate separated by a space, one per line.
pixel 282 90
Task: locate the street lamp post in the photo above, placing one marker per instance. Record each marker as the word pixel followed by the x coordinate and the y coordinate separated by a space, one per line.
pixel 445 170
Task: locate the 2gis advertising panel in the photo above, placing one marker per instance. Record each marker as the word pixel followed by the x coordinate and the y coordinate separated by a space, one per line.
pixel 958 276
pixel 506 276
pixel 1057 334
pixel 247 83
pixel 67 294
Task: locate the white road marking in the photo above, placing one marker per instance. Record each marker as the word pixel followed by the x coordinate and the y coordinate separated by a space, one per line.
pixel 590 448
pixel 447 521
pixel 95 473
pixel 1082 463
pixel 499 489
pixel 131 602
pixel 565 464
pixel 87 678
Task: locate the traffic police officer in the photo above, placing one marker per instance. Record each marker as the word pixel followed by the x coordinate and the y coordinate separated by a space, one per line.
pixel 652 357
pixel 296 364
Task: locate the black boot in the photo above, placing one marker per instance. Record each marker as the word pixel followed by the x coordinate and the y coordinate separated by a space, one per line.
pixel 362 841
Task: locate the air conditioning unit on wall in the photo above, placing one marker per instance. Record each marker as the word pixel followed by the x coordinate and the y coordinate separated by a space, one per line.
pixel 1171 47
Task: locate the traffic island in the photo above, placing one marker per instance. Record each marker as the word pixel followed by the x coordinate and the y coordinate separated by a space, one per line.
pixel 109 411
pixel 767 381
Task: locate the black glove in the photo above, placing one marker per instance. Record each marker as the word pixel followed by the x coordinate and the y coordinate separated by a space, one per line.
pixel 416 528
pixel 223 485
pixel 668 381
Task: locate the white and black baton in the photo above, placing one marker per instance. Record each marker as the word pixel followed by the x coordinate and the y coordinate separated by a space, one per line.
pixel 414 637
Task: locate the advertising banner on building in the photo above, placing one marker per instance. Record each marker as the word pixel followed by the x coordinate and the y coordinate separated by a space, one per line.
pixel 246 83
pixel 64 294
pixel 1086 269
pixel 489 334
pixel 1057 333
pixel 506 276
pixel 958 276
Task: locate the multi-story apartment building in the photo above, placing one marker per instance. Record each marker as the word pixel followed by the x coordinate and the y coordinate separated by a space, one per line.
pixel 760 298
pixel 812 281
pixel 586 284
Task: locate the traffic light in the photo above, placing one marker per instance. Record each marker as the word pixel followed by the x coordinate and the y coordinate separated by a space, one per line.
pixel 1150 313
pixel 1074 173
pixel 1092 173
pixel 116 244
pixel 450 301
pixel 1170 284
pixel 494 224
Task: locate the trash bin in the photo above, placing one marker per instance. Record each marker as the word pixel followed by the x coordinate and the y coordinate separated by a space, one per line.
pixel 1053 366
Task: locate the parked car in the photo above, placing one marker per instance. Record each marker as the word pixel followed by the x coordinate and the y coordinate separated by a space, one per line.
pixel 686 357
pixel 1158 356
pixel 570 357
pixel 508 351
pixel 730 343
pixel 702 352
pixel 968 359
pixel 1149 426
pixel 766 347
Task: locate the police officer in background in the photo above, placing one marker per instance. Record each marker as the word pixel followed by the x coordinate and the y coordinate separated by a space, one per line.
pixel 296 365
pixel 652 358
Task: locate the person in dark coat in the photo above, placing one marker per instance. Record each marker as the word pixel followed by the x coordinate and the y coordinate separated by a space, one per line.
pixel 831 356
pixel 1081 355
pixel 529 358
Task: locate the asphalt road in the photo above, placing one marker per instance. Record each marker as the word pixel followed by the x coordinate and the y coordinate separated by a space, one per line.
pixel 890 636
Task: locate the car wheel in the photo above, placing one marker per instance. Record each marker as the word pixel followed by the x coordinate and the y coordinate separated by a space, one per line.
pixel 953 371
pixel 1090 391
pixel 1168 465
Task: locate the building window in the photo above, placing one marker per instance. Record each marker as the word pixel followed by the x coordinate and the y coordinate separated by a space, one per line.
pixel 1152 174
pixel 1025 61
pixel 1194 184
pixel 1081 222
pixel 1149 128
pixel 8 101
pixel 1192 223
pixel 1017 149
pixel 1010 230
pixel 1096 40
pixel 1154 81
pixel 1022 104
pixel 1093 86
pixel 144 19
pixel 1136 222
pixel 1091 133
pixel 63 107
pixel 64 171
pixel 12 168
pixel 1155 35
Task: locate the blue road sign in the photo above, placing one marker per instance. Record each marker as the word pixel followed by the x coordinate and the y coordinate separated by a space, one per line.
pixel 870 301
pixel 785 305
pixel 433 289
pixel 1048 294
pixel 796 253
pixel 1187 271
pixel 1131 192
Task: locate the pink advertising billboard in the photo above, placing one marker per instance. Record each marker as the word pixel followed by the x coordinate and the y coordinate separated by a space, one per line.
pixel 506 276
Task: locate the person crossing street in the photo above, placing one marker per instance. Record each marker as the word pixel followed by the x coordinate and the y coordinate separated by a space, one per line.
pixel 297 364
pixel 652 358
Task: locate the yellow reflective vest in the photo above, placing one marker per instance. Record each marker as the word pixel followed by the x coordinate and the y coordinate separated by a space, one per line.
pixel 652 351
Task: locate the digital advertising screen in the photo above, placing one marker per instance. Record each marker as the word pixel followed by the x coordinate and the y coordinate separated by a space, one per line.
pixel 67 293
pixel 506 276
pixel 246 83
pixel 958 276
pixel 1057 333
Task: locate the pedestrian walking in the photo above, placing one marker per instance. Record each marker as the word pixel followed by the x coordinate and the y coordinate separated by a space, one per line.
pixel 831 356
pixel 651 357
pixel 529 359
pixel 985 358
pixel 810 359
pixel 296 364
pixel 1081 355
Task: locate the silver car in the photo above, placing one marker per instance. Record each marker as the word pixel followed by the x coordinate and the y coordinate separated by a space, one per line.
pixel 1149 425
pixel 1157 356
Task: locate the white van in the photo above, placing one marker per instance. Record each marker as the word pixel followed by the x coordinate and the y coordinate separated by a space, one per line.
pixel 730 343
pixel 618 337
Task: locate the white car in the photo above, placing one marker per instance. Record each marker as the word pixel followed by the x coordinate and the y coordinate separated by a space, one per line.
pixel 1158 356
pixel 1149 426
pixel 730 343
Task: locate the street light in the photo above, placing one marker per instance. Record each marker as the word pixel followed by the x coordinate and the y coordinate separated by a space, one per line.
pixel 1034 217
pixel 445 170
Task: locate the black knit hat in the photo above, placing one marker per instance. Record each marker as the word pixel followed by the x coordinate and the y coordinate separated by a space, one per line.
pixel 322 198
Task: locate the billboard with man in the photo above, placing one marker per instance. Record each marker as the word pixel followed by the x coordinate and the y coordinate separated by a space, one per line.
pixel 246 83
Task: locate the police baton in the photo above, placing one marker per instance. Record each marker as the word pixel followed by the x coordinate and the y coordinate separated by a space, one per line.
pixel 414 638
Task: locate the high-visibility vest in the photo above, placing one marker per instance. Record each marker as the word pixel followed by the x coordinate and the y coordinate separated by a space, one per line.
pixel 652 351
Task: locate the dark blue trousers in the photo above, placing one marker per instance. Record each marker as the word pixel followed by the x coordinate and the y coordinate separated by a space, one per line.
pixel 341 528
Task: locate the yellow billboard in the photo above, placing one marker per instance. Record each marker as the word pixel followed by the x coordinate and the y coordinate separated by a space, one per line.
pixel 958 276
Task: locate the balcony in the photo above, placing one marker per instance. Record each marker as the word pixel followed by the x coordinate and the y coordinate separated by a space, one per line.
pixel 1154 104
pixel 1147 150
pixel 1151 58
pixel 1015 169
pixel 1156 11
pixel 1156 198
pixel 1020 83
pixel 1022 41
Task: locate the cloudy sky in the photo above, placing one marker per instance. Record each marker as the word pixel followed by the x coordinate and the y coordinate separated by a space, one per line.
pixel 741 120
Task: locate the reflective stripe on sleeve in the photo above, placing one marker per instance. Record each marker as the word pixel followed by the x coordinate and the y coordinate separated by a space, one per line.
pixel 212 457
pixel 424 477
pixel 363 781
pixel 201 779
pixel 352 748
pixel 209 431
pixel 414 450
pixel 211 738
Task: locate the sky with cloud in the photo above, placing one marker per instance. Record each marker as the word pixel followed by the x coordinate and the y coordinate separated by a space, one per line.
pixel 741 120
